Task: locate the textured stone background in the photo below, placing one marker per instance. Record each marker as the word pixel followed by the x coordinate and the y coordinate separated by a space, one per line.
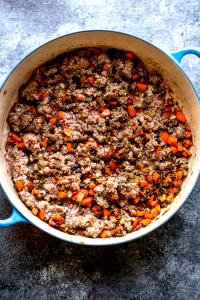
pixel 163 265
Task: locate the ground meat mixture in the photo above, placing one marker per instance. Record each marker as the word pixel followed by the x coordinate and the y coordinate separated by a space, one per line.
pixel 97 145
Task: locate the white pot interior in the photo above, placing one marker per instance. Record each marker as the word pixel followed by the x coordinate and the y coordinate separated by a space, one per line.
pixel 153 58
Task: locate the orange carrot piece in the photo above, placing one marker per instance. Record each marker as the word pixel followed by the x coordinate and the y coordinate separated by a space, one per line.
pixel 180 147
pixel 49 149
pixel 145 222
pixel 116 214
pixel 15 138
pixel 60 115
pixel 187 143
pixel 87 201
pixel 62 195
pixel 92 185
pixel 103 234
pixel 19 185
pixel 41 215
pixel 140 213
pixel 91 192
pixel 69 147
pixel 172 141
pixel 21 146
pixel 149 178
pixel 188 134
pixel 34 211
pixel 143 183
pixel 142 86
pixel 136 200
pixel 173 149
pixel 43 143
pixel 112 165
pixel 156 177
pixel 90 80
pixel 180 116
pixel 68 131
pixel 108 171
pixel 164 137
pixel 131 111
pixel 106 212
pixel 53 121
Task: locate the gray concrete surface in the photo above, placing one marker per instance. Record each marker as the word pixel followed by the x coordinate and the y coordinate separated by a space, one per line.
pixel 163 265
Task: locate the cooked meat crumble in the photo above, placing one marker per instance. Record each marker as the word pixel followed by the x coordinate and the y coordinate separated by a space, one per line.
pixel 97 145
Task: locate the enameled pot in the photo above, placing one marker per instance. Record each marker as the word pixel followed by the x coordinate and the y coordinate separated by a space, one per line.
pixel 167 65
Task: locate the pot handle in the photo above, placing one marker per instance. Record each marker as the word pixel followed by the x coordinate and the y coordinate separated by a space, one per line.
pixel 14 218
pixel 179 54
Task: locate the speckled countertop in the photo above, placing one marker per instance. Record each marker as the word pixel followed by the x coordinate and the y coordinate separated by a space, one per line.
pixel 163 265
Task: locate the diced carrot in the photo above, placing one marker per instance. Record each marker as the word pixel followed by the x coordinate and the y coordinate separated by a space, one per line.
pixel 131 111
pixel 15 138
pixel 49 149
pixel 58 219
pixel 143 183
pixel 60 115
pixel 87 201
pixel 105 113
pixel 188 134
pixel 170 198
pixel 179 174
pixel 140 213
pixel 187 143
pixel 145 222
pixel 149 178
pixel 142 86
pixel 180 147
pixel 91 192
pixel 112 165
pixel 41 215
pixel 43 143
pixel 103 234
pixel 94 209
pixel 92 185
pixel 180 116
pixel 135 76
pixel 173 149
pixel 69 147
pixel 53 121
pixel 156 177
pixel 30 185
pixel 136 200
pixel 34 211
pixel 21 146
pixel 164 137
pixel 62 195
pixel 155 211
pixel 130 55
pixel 90 80
pixel 19 185
pixel 148 215
pixel 186 152
pixel 116 214
pixel 108 171
pixel 106 212
pixel 172 141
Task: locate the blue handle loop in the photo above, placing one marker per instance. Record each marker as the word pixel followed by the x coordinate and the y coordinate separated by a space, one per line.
pixel 14 218
pixel 179 54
